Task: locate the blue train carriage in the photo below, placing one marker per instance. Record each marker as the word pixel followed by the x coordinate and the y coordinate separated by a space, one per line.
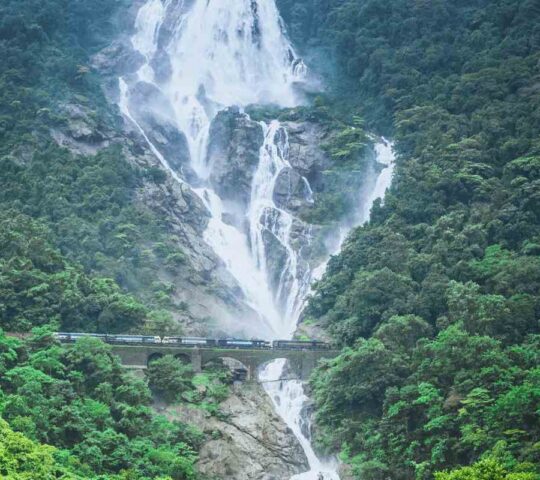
pixel 189 342
pixel 300 345
pixel 133 339
pixel 70 337
pixel 243 344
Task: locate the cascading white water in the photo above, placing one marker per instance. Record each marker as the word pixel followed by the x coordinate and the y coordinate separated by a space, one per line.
pixel 226 52
pixel 266 217
pixel 221 53
pixel 289 401
pixel 288 395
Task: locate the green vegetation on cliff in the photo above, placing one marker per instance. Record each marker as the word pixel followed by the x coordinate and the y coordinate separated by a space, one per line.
pixel 90 203
pixel 437 300
pixel 22 459
pixel 39 286
pixel 44 46
pixel 73 239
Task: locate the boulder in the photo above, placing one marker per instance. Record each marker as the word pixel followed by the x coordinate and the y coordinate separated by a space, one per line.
pixel 119 58
pixel 292 191
pixel 305 152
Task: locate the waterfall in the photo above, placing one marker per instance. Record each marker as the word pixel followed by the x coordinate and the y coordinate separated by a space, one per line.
pixel 202 56
pixel 223 53
pixel 265 217
pixel 288 396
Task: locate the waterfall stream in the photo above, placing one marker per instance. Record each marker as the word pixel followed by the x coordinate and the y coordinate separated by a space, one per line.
pixel 219 53
pixel 288 396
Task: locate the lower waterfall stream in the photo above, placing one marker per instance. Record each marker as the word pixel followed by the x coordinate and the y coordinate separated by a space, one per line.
pixel 235 52
pixel 288 396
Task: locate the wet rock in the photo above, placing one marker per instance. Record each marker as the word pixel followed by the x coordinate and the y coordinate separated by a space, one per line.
pixel 253 443
pixel 176 9
pixel 305 152
pixel 276 257
pixel 292 191
pixel 161 64
pixel 233 154
pixel 119 58
pixel 296 186
pixel 345 472
pixel 153 112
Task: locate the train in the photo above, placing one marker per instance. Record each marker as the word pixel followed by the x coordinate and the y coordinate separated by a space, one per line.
pixel 197 342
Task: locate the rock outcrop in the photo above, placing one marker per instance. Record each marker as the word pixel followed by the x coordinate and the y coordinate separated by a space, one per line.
pixel 154 114
pixel 250 442
pixel 233 154
pixel 118 58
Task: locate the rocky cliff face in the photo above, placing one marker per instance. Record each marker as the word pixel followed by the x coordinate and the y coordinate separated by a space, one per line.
pixel 233 155
pixel 204 297
pixel 250 442
pixel 154 114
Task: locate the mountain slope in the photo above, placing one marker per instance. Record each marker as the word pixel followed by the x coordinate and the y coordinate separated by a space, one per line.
pixel 437 299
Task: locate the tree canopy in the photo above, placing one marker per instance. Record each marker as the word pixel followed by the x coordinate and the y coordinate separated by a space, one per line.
pixel 81 400
pixel 437 299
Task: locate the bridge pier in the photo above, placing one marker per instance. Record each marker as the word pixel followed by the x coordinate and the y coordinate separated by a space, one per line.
pixel 308 365
pixel 196 360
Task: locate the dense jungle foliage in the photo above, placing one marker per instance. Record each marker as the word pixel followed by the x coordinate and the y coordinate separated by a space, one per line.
pixel 71 239
pixel 39 286
pixel 437 300
pixel 89 202
pixel 44 46
pixel 81 400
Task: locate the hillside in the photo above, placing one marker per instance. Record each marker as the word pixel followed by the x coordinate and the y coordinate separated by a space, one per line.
pixel 436 301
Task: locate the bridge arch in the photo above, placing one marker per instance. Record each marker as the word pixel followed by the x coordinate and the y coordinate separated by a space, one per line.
pixel 184 358
pixel 289 368
pixel 153 357
pixel 301 362
pixel 239 370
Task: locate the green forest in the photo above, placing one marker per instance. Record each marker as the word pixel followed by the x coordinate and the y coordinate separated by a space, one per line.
pixel 97 415
pixel 437 301
pixel 71 258
pixel 83 205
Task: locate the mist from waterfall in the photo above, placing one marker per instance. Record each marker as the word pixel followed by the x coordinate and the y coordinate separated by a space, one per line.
pixel 204 56
pixel 223 53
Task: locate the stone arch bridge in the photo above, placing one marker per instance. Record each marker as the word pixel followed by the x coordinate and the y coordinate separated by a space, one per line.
pixel 301 362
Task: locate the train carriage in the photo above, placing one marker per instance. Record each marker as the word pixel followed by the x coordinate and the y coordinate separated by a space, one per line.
pixel 70 337
pixel 300 345
pixel 133 339
pixel 189 341
pixel 242 344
